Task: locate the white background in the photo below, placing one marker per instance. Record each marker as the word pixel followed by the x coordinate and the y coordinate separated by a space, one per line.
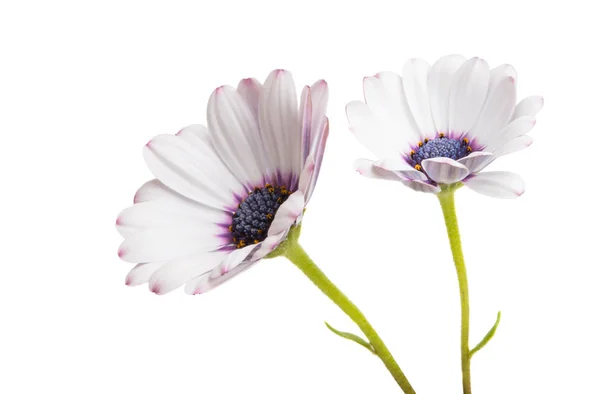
pixel 84 85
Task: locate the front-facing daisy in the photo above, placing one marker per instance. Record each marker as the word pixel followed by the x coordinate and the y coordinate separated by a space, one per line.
pixel 227 195
pixel 441 125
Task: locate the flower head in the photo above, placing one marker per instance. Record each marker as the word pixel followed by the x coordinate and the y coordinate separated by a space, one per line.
pixel 226 196
pixel 441 125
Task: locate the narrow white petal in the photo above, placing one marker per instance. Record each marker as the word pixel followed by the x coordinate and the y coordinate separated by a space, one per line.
pixel 288 213
pixel 498 106
pixel 467 94
pixel 400 166
pixel 477 161
pixel 176 273
pixel 165 244
pixel 415 75
pixel 439 83
pixel 153 190
pixel 369 130
pixel 515 145
pixel 191 171
pixel 318 157
pixel 421 186
pixel 444 170
pixel 514 129
pixel 249 89
pixel 169 213
pixel 232 260
pixel 319 93
pixel 498 184
pixel 368 169
pixel 204 283
pixel 307 175
pixel 268 245
pixel 398 108
pixel 306 123
pixel 529 106
pixel 141 273
pixel 279 121
pixel 234 132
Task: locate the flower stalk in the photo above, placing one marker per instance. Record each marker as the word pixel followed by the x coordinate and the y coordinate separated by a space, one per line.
pixel 446 198
pixel 298 256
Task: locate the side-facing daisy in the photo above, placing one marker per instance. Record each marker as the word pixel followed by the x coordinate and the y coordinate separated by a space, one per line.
pixel 226 196
pixel 231 194
pixel 441 125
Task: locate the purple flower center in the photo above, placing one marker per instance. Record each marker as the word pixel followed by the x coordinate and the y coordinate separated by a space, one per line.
pixel 250 223
pixel 440 146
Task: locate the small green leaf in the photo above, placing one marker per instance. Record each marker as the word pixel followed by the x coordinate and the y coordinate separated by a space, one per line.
pixel 487 337
pixel 352 337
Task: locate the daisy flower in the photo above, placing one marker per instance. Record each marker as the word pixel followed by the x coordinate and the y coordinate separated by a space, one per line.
pixel 441 125
pixel 226 196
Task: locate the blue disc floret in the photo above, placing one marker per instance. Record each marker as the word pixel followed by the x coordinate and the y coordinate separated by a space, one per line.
pixel 441 146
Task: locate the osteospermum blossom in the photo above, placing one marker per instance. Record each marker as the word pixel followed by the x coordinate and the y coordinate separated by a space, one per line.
pixel 442 124
pixel 226 196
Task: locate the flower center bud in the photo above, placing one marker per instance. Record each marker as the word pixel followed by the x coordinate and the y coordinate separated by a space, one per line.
pixel 440 146
pixel 251 221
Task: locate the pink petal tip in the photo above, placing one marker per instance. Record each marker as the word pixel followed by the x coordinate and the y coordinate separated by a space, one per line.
pixel 155 288
pixel 121 253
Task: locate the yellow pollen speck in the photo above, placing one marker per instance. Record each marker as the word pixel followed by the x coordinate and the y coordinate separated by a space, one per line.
pixel 241 244
pixel 268 185
pixel 271 189
pixel 469 149
pixel 441 135
pixel 412 153
pixel 230 229
pixel 420 143
pixel 417 167
pixel 256 241
pixel 465 140
pixel 269 216
pixel 260 231
pixel 426 140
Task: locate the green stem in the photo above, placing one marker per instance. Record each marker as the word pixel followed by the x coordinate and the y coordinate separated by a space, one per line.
pixel 296 254
pixel 446 198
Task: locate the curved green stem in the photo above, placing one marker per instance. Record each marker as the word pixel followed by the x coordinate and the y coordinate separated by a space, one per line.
pixel 296 254
pixel 446 198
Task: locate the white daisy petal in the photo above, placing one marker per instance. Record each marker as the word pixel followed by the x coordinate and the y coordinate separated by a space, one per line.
pixel 279 121
pixel 529 106
pixel 232 260
pixel 467 94
pixel 498 106
pixel 439 83
pixel 153 190
pixel 400 166
pixel 268 245
pixel 414 76
pixel 319 93
pixel 234 132
pixel 287 214
pixel 368 129
pixel 176 273
pixel 515 145
pixel 165 244
pixel 169 212
pixel 368 169
pixel 306 124
pixel 421 186
pixel 204 283
pixel 444 170
pixel 141 273
pixel 498 184
pixel 307 175
pixel 318 157
pixel 249 89
pixel 398 110
pixel 190 171
pixel 514 129
pixel 198 136
pixel 395 132
pixel 477 161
